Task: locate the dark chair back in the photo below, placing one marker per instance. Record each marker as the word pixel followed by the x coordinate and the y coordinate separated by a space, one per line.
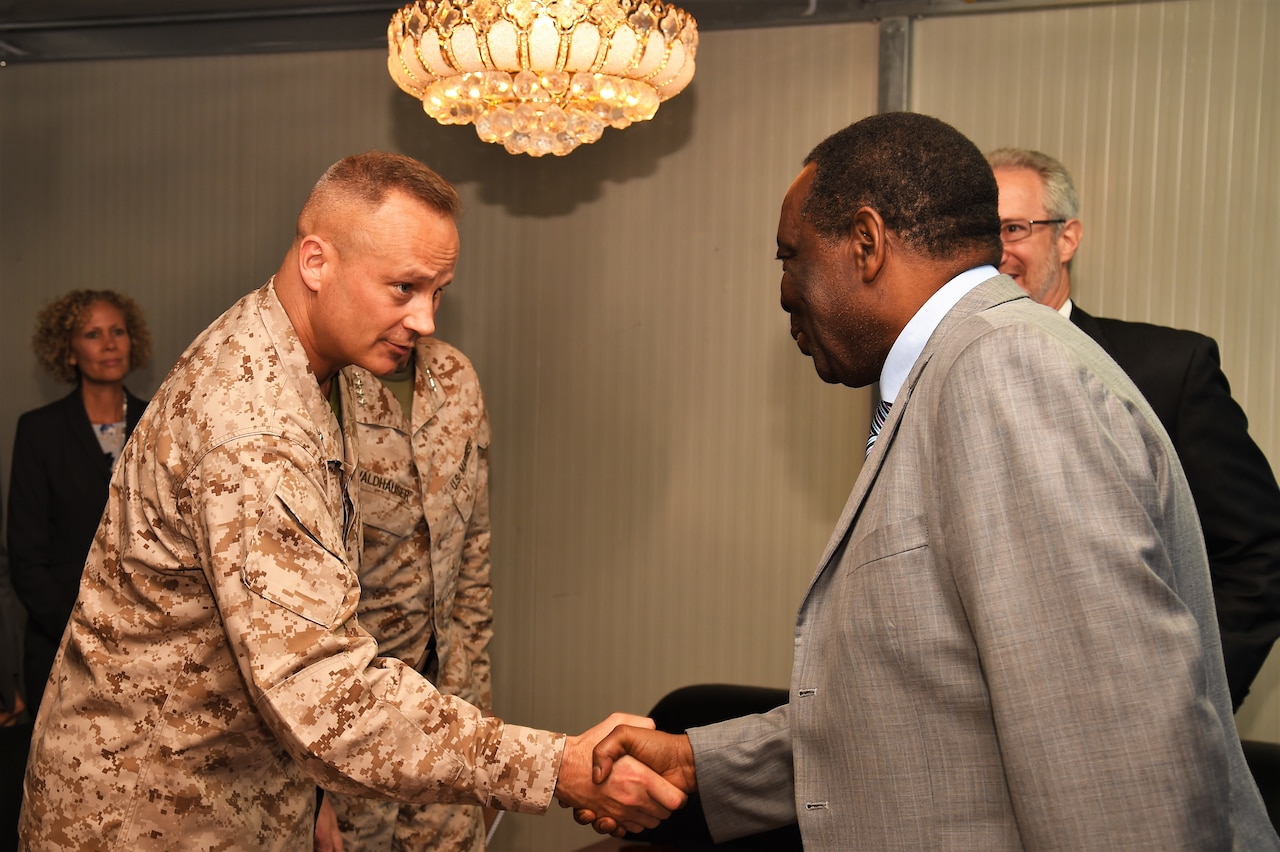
pixel 706 704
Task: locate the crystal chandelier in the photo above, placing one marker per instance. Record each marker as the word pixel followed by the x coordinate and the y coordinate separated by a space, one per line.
pixel 541 76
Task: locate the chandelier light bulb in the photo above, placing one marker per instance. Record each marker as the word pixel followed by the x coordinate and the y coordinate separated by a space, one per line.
pixel 541 76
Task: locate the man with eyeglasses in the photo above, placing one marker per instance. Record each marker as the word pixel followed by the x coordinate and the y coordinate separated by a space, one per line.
pixel 1179 372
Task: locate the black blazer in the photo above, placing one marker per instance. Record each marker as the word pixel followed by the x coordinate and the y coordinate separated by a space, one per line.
pixel 1180 374
pixel 57 491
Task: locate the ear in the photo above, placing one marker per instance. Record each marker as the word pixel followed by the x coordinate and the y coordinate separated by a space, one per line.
pixel 315 254
pixel 1069 239
pixel 867 238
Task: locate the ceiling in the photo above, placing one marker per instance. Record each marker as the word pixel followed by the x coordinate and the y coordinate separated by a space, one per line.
pixel 61 30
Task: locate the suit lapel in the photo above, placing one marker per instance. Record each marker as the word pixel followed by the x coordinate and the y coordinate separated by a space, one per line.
pixel 870 471
pixel 84 436
pixel 991 292
pixel 134 414
pixel 430 453
pixel 427 396
pixel 1090 326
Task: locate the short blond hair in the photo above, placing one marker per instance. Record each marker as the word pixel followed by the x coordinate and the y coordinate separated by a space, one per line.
pixel 366 179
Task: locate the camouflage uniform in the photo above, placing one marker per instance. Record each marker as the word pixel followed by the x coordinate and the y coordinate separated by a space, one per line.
pixel 425 592
pixel 213 671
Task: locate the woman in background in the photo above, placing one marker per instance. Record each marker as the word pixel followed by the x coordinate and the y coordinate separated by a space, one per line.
pixel 62 459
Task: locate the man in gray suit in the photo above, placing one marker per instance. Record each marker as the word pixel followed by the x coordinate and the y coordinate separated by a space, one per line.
pixel 1010 640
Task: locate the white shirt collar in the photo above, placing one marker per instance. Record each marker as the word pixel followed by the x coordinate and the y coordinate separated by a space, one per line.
pixel 1065 310
pixel 910 343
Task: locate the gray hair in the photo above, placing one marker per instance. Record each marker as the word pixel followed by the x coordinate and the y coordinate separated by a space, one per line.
pixel 1060 199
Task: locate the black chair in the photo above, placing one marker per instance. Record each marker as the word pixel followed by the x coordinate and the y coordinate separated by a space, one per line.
pixel 1264 763
pixel 705 704
pixel 15 742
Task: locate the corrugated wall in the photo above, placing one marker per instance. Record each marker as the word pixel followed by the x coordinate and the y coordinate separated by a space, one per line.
pixel 1168 117
pixel 666 466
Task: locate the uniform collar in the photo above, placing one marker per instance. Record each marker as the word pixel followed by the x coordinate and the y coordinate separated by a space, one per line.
pixel 338 443
pixel 428 396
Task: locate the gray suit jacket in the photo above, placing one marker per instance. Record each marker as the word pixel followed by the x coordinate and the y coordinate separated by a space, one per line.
pixel 1180 374
pixel 1010 642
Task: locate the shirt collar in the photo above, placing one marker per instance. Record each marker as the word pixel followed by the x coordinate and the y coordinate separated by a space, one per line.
pixel 910 343
pixel 1065 310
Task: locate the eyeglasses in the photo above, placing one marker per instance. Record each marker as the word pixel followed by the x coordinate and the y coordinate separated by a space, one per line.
pixel 1014 230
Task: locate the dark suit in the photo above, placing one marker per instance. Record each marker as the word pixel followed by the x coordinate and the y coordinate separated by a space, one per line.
pixel 56 495
pixel 1235 491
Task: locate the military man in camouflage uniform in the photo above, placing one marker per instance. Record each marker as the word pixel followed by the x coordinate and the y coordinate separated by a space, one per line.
pixel 425 591
pixel 213 671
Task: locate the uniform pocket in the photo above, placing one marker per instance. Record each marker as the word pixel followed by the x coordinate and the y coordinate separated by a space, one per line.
pixel 388 481
pixel 387 505
pixel 297 559
pixel 462 483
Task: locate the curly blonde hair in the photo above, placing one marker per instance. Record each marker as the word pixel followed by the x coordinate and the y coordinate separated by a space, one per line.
pixel 58 322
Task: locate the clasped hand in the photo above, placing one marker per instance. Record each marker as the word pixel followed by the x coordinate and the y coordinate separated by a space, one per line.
pixel 635 754
pixel 621 794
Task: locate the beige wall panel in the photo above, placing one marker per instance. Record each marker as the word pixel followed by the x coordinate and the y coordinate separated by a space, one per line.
pixel 1168 116
pixel 666 465
pixel 674 490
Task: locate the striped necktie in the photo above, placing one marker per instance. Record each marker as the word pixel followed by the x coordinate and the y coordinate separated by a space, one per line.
pixel 877 423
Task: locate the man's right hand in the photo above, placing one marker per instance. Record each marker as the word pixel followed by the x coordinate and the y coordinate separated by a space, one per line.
pixel 670 755
pixel 328 835
pixel 635 797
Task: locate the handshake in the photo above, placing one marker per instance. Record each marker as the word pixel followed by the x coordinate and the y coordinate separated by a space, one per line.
pixel 623 776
